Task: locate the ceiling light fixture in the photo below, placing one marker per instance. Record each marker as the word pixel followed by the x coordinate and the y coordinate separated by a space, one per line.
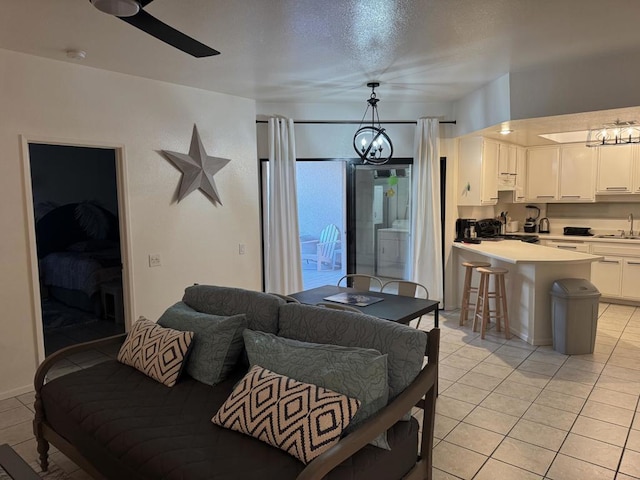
pixel 371 142
pixel 616 133
pixel 119 8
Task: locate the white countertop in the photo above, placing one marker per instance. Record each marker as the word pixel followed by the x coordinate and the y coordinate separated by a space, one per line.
pixel 514 251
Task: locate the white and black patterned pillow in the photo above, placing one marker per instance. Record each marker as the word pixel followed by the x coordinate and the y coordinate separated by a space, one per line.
pixel 302 419
pixel 157 352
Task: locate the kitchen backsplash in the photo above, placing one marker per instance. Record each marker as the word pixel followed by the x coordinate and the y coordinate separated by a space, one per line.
pixel 606 217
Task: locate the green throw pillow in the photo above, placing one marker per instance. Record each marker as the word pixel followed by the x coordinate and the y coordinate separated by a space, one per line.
pixel 217 342
pixel 359 373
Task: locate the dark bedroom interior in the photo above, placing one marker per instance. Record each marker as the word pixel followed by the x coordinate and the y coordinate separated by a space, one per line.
pixel 77 234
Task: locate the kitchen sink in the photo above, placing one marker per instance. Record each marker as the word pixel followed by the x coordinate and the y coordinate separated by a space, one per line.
pixel 619 237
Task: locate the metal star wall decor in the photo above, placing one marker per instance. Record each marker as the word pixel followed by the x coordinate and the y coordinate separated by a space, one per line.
pixel 197 169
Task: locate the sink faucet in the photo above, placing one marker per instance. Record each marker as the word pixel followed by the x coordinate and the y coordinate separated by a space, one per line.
pixel 630 219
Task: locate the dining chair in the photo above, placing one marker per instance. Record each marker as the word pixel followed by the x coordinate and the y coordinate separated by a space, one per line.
pixel 286 298
pixel 338 306
pixel 406 288
pixel 361 281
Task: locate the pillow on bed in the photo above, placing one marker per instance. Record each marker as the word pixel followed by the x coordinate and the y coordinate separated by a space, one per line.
pixel 359 373
pixel 217 343
pixel 315 417
pixel 157 352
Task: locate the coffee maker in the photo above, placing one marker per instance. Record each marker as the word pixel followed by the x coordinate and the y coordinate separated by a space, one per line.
pixel 465 228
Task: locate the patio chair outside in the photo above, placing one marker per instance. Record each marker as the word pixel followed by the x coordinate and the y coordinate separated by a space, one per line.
pixel 326 247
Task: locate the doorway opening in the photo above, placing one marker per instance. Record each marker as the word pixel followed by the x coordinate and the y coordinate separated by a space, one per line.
pixel 77 242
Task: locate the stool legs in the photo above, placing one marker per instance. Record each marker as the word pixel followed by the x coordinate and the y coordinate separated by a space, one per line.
pixel 468 289
pixel 466 294
pixel 483 313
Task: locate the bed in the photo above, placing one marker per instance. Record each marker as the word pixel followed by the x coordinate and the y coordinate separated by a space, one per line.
pixel 78 250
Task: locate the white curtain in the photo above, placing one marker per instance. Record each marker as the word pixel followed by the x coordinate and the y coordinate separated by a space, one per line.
pixel 282 250
pixel 426 243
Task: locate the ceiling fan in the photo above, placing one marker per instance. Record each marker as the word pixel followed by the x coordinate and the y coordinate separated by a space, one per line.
pixel 131 11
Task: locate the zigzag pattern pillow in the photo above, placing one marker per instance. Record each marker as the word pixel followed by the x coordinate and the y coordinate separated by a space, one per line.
pixel 302 419
pixel 157 352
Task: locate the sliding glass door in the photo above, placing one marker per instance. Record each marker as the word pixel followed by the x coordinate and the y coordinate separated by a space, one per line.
pixel 369 206
pixel 379 201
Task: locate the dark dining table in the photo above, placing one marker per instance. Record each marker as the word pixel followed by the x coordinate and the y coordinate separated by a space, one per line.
pixel 395 308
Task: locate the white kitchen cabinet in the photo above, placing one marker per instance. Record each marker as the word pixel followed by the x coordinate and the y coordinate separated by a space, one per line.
pixel 636 169
pixel 393 245
pixel 615 169
pixel 507 166
pixel 573 246
pixel 542 174
pixel 618 274
pixel 606 275
pixel 576 182
pixel 477 171
pixel 519 192
pixel 631 278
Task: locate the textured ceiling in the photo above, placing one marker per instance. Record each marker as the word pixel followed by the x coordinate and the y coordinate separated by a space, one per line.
pixel 326 51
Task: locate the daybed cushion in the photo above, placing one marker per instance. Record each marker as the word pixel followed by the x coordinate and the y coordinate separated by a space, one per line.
pixel 302 419
pixel 356 372
pixel 217 341
pixel 404 345
pixel 156 351
pixel 130 426
pixel 261 309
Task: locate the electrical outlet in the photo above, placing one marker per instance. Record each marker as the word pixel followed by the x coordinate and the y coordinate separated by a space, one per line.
pixel 154 260
pixel 242 249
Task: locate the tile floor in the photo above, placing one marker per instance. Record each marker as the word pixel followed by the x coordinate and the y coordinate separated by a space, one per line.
pixel 506 410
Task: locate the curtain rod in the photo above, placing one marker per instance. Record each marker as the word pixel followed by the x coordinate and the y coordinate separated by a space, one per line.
pixel 354 122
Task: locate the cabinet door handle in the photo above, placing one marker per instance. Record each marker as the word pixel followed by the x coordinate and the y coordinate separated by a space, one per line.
pixel 566 247
pixel 570 196
pixel 616 188
pixel 610 261
pixel 545 196
pixel 633 263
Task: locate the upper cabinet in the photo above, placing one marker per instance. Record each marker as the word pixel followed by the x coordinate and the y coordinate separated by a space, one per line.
pixel 478 171
pixel 576 182
pixel 561 174
pixel 507 166
pixel 519 195
pixel 543 166
pixel 615 169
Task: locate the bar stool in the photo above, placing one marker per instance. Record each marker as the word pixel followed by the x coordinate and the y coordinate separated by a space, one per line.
pixel 468 288
pixel 483 313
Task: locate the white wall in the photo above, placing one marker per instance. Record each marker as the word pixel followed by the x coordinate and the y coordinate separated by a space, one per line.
pixel 198 241
pixel 487 106
pixel 583 85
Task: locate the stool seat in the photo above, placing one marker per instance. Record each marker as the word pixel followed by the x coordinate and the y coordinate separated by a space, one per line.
pixel 469 289
pixel 483 313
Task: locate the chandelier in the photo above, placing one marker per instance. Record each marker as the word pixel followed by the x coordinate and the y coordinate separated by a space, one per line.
pixel 616 133
pixel 371 142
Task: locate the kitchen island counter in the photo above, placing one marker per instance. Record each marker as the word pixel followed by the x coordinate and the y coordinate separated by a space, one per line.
pixel 532 271
pixel 513 251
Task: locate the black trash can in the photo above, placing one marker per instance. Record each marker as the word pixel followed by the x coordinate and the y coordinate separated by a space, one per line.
pixel 574 315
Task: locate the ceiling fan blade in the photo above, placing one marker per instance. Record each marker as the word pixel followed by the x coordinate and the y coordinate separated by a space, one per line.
pixel 150 24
